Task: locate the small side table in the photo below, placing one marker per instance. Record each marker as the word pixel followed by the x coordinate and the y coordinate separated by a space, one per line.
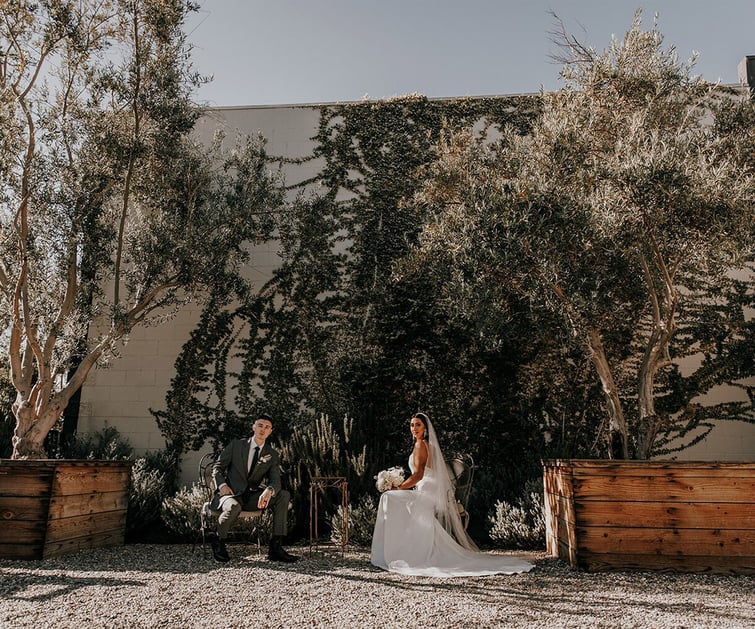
pixel 318 484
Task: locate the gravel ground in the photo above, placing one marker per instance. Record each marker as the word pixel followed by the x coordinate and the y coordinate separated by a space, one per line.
pixel 171 586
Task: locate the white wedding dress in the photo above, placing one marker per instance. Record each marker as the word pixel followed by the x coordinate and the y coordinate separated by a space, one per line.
pixel 409 539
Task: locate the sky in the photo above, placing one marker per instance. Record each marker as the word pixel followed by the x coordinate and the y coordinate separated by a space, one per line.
pixel 275 52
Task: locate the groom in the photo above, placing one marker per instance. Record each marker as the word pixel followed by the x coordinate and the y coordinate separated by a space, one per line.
pixel 239 473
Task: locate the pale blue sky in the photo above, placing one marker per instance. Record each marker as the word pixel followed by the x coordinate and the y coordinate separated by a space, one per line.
pixel 310 51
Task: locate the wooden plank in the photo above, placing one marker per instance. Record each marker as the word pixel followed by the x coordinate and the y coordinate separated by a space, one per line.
pixel 555 488
pixel 83 504
pixel 96 540
pixel 23 532
pixel 652 541
pixel 558 496
pixel 667 472
pixel 562 507
pixel 557 483
pixel 560 532
pixel 551 531
pixel 565 532
pixel 665 515
pixel 601 466
pixel 21 551
pixel 649 488
pixel 84 525
pixel 668 563
pixel 688 475
pixel 24 481
pixel 73 479
pixel 14 508
pixel 567 553
pixel 551 540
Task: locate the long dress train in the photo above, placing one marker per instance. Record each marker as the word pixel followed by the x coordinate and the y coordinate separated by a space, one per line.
pixel 409 539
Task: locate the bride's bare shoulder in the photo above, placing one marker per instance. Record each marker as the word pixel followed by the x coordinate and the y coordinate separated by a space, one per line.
pixel 422 452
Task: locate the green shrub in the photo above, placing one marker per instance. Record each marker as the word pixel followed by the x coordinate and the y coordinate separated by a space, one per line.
pixel 521 524
pixel 321 448
pixel 106 444
pixel 153 477
pixel 361 522
pixel 180 512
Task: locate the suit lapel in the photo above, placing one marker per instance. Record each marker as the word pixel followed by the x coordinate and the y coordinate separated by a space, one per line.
pixel 245 451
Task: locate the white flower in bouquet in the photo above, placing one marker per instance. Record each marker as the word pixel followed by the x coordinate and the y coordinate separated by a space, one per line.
pixel 390 478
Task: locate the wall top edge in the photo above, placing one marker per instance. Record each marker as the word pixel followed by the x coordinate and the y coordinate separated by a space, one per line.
pixel 317 105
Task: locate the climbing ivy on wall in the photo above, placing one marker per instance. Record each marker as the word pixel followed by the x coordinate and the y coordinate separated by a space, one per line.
pixel 334 331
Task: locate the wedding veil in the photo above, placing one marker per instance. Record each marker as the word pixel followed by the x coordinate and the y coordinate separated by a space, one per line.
pixel 446 509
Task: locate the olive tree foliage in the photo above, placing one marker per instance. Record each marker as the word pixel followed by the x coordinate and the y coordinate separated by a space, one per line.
pixel 635 182
pixel 110 215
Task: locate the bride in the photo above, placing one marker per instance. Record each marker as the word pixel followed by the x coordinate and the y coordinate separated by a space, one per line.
pixel 420 532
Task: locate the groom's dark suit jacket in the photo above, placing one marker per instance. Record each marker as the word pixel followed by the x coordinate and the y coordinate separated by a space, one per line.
pixel 231 469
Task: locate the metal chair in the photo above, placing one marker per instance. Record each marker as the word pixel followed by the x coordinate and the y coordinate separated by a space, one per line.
pixel 461 470
pixel 207 516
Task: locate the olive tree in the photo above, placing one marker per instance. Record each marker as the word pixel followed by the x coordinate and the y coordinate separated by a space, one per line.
pixel 637 175
pixel 111 216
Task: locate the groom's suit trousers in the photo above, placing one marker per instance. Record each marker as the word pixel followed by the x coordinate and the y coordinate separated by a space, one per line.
pixel 231 507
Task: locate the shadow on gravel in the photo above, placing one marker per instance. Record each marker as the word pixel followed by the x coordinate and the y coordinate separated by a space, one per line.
pixel 146 558
pixel 38 588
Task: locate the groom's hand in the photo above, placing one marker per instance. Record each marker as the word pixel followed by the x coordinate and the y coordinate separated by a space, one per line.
pixel 225 490
pixel 264 499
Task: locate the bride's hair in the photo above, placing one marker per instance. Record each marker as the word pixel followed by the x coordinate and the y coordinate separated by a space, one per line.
pixel 425 421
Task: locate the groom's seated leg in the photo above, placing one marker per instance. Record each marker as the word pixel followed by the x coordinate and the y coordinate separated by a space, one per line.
pixel 279 505
pixel 229 512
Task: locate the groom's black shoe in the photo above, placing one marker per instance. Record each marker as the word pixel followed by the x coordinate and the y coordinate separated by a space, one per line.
pixel 219 551
pixel 278 553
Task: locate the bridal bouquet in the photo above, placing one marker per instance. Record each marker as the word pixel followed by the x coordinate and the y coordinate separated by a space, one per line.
pixel 390 478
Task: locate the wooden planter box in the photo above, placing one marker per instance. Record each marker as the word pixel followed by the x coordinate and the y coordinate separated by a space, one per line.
pixel 651 515
pixel 52 507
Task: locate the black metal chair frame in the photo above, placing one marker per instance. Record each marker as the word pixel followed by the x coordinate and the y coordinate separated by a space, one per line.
pixel 461 470
pixel 208 517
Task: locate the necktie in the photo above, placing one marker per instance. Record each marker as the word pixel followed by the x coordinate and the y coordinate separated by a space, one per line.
pixel 255 458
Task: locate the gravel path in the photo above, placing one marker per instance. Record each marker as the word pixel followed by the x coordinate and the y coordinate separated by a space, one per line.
pixel 169 586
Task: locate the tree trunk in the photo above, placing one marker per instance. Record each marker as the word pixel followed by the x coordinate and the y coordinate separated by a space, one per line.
pixel 664 304
pixel 31 431
pixel 618 433
pixel 34 421
pixel 649 421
